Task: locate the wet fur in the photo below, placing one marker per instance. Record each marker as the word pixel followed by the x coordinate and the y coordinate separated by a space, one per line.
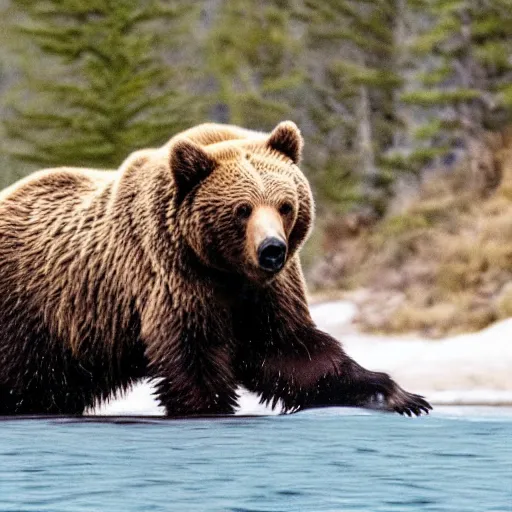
pixel 106 278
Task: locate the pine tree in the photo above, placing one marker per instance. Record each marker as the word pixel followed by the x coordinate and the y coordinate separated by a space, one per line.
pixel 251 54
pixel 98 84
pixel 465 81
pixel 354 76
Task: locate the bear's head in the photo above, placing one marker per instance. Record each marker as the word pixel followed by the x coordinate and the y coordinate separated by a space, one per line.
pixel 243 206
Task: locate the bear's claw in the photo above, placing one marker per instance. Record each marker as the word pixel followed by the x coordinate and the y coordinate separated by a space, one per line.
pixel 403 402
pixel 389 396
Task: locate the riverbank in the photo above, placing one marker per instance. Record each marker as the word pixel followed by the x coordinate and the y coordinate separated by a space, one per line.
pixel 468 369
pixel 438 264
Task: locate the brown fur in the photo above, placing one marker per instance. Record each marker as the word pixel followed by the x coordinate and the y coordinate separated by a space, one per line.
pixel 151 271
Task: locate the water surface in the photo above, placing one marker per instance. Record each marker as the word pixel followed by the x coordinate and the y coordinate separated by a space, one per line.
pixel 324 460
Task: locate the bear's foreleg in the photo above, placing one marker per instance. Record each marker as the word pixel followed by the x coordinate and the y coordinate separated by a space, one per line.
pixel 191 367
pixel 282 356
pixel 194 392
pixel 315 372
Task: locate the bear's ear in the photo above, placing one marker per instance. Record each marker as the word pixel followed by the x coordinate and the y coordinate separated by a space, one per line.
pixel 287 139
pixel 190 164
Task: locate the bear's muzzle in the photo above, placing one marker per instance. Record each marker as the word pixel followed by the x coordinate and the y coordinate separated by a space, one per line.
pixel 272 254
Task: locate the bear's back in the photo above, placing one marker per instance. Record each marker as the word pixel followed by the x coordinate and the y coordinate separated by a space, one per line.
pixel 73 180
pixel 49 193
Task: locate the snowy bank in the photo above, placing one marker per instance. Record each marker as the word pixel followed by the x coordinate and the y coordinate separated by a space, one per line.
pixel 470 369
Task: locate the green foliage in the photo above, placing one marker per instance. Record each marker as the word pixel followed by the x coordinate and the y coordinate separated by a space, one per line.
pixel 12 170
pixel 338 185
pixel 100 86
pixel 467 52
pixel 441 97
pixel 354 74
pixel 252 56
pixel 380 88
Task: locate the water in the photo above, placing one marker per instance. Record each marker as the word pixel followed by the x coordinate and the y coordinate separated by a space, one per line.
pixel 329 460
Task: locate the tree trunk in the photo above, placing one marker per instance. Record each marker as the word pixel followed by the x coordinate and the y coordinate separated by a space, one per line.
pixel 366 150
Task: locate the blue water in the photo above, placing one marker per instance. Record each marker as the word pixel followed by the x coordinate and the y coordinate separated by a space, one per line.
pixel 330 460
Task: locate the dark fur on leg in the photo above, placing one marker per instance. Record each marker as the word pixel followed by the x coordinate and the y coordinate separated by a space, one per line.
pixel 285 357
pixel 192 368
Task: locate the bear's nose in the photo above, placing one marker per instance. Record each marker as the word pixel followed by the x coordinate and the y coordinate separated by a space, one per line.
pixel 271 254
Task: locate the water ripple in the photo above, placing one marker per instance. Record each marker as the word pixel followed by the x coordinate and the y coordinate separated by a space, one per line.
pixel 308 462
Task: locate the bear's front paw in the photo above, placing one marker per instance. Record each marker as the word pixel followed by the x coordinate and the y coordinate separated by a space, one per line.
pixel 391 397
pixel 403 402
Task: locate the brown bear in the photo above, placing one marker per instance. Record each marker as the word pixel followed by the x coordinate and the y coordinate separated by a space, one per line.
pixel 182 267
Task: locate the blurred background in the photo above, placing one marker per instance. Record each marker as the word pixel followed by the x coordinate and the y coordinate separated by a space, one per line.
pixel 405 106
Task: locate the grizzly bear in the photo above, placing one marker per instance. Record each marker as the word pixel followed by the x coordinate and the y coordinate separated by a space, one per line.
pixel 182 267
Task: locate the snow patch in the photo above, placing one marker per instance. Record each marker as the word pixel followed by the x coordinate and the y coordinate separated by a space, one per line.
pixel 329 315
pixel 138 401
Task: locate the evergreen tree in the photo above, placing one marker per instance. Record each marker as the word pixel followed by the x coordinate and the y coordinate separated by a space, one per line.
pixel 251 54
pixel 98 84
pixel 465 82
pixel 103 78
pixel 10 169
pixel 354 75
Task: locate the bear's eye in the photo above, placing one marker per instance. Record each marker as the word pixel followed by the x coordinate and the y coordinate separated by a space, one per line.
pixel 244 211
pixel 285 208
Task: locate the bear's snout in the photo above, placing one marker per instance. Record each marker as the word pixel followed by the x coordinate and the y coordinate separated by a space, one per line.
pixel 266 239
pixel 272 254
